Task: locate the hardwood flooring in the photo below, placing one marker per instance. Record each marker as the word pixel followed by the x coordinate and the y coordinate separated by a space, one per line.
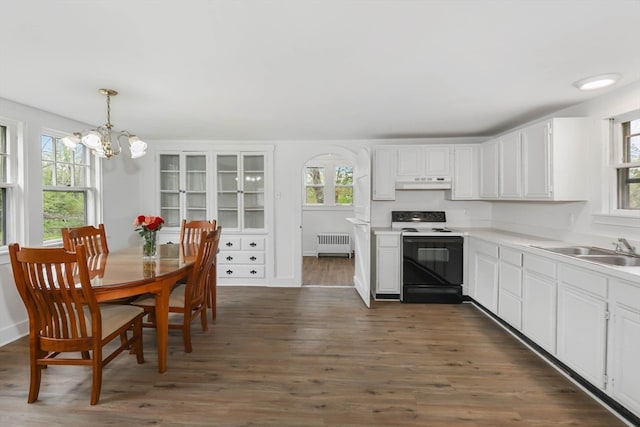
pixel 313 356
pixel 328 271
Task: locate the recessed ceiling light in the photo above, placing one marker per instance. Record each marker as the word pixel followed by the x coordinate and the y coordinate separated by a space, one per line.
pixel 597 82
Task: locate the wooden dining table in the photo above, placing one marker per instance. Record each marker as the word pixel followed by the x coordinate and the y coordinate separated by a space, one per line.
pixel 125 273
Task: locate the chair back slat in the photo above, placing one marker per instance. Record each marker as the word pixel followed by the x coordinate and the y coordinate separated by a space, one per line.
pixel 93 238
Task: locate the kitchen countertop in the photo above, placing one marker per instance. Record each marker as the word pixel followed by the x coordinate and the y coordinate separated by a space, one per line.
pixel 528 243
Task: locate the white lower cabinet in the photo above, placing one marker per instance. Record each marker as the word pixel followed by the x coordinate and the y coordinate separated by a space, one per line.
pixel 582 322
pixel 539 301
pixel 387 266
pixel 624 345
pixel 510 286
pixel 484 256
pixel 241 257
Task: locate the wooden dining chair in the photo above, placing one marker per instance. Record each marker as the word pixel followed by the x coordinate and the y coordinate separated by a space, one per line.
pixel 189 299
pixel 65 318
pixel 190 232
pixel 93 238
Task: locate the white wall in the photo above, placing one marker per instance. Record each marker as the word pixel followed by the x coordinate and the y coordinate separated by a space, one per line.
pixel 316 221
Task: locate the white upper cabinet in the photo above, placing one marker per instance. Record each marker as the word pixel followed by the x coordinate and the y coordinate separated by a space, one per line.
pixel 384 173
pixel 420 161
pixel 465 183
pixel 489 163
pixel 543 161
pixel 510 173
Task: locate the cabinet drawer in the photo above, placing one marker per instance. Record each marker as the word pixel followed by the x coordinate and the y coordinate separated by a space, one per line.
pixel 540 265
pixel 388 241
pixel 229 243
pixel 511 256
pixel 241 257
pixel 241 271
pixel 252 244
pixel 587 281
pixel 486 248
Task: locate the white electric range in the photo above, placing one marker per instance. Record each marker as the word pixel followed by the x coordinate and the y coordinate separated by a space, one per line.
pixel 422 223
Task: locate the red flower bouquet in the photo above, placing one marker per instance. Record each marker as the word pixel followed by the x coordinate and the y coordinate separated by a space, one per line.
pixel 147 226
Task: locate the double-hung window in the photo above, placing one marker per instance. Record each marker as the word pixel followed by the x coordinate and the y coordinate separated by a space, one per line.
pixel 627 162
pixel 5 181
pixel 67 186
pixel 328 182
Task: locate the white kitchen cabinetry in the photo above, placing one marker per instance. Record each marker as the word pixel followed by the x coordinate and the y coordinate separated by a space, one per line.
pixel 624 344
pixel 510 286
pixel 484 258
pixel 489 169
pixel 582 322
pixel 384 173
pixel 419 161
pixel 241 257
pixel 465 183
pixel 183 187
pixel 387 265
pixel 539 301
pixel 510 171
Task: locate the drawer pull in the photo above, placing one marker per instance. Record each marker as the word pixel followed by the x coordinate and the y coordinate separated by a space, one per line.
pixel 253 244
pixel 229 258
pixel 229 244
pixel 253 258
pixel 253 272
pixel 229 272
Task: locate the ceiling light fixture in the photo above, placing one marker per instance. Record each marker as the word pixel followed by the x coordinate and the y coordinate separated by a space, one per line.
pixel 597 82
pixel 100 141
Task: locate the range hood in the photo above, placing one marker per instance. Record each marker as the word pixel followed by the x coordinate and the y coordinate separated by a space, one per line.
pixel 425 183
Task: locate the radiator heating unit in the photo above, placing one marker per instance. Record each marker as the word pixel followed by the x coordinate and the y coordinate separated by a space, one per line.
pixel 334 243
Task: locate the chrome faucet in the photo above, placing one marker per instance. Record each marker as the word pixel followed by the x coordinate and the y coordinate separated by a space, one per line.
pixel 630 249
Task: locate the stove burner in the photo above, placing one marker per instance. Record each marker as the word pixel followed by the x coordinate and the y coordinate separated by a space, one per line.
pixel 442 230
pixel 410 229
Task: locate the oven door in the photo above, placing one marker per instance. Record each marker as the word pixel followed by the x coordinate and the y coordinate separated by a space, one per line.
pixel 432 260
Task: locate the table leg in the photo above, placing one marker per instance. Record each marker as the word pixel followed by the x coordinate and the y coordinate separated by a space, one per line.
pixel 162 326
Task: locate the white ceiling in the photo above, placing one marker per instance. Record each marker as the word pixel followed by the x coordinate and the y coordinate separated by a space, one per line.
pixel 303 69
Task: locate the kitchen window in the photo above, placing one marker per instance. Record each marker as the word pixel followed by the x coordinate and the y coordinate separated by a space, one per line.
pixel 328 182
pixel 4 183
pixel 66 183
pixel 626 161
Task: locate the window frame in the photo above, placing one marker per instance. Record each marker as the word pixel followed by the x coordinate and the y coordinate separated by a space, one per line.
pixel 330 166
pixel 12 199
pixel 91 187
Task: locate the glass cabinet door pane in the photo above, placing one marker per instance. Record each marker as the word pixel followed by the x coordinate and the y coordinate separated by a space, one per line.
pixel 254 219
pixel 228 219
pixel 253 163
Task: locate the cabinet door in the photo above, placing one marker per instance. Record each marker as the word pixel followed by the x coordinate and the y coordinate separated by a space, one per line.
pixel 465 169
pixel 170 189
pixel 536 161
pixel 489 169
pixel 227 188
pixel 437 161
pixel 539 310
pixel 510 291
pixel 510 166
pixel 384 173
pixel 183 188
pixel 410 162
pixel 253 191
pixel 582 333
pixel 486 281
pixel 624 352
pixel 195 189
pixel 388 270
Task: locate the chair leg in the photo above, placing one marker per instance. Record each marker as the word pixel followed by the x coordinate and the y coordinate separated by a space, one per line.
pixel 36 377
pixel 137 332
pixel 96 385
pixel 203 318
pixel 85 355
pixel 186 332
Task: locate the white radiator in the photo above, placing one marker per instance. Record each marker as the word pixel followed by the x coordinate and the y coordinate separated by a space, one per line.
pixel 334 243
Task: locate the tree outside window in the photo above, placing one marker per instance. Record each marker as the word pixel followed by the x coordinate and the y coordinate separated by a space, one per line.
pixel 65 174
pixel 328 181
pixel 314 185
pixel 344 185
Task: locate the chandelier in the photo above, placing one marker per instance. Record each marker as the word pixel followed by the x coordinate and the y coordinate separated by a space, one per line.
pixel 102 141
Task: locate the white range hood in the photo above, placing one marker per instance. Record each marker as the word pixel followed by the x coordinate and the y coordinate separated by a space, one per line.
pixel 425 183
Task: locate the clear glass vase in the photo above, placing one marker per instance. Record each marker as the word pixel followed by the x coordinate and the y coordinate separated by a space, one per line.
pixel 149 247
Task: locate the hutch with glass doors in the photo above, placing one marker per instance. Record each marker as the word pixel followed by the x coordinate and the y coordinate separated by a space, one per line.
pixel 234 188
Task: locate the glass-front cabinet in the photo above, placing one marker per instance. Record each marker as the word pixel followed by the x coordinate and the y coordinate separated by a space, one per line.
pixel 240 187
pixel 183 187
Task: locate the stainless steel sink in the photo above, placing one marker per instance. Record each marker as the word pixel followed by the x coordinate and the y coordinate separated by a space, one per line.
pixel 621 260
pixel 580 250
pixel 599 255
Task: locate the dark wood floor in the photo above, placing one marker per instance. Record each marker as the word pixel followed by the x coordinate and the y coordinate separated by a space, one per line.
pixel 328 270
pixel 313 356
